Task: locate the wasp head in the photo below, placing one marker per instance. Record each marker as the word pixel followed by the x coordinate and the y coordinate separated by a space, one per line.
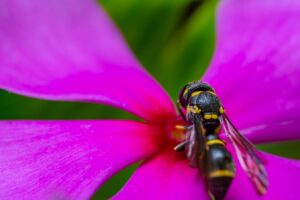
pixel 190 88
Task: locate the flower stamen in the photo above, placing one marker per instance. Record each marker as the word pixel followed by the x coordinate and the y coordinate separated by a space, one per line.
pixel 179 133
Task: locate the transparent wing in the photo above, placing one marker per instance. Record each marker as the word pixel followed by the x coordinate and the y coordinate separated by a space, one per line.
pixel 195 145
pixel 192 148
pixel 247 155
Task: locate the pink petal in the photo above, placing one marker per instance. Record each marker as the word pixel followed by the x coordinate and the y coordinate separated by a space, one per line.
pixel 255 68
pixel 68 159
pixel 284 175
pixel 70 50
pixel 167 177
pixel 164 176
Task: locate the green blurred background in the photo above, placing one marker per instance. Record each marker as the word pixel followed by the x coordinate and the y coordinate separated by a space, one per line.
pixel 174 40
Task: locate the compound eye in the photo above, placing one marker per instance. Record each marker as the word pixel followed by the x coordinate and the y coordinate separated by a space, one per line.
pixel 185 91
pixel 183 95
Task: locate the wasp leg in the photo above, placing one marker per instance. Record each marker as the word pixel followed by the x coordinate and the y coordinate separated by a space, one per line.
pixel 179 107
pixel 180 128
pixel 181 146
pixel 184 128
pixel 212 197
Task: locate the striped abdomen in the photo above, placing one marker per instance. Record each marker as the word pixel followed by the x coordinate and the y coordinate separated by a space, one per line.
pixel 219 169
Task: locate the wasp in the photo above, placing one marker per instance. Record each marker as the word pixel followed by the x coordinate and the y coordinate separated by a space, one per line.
pixel 205 118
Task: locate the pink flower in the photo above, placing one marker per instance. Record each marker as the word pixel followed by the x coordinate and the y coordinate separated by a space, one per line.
pixel 70 51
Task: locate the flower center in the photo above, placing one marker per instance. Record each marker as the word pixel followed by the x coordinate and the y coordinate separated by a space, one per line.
pixel 175 130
